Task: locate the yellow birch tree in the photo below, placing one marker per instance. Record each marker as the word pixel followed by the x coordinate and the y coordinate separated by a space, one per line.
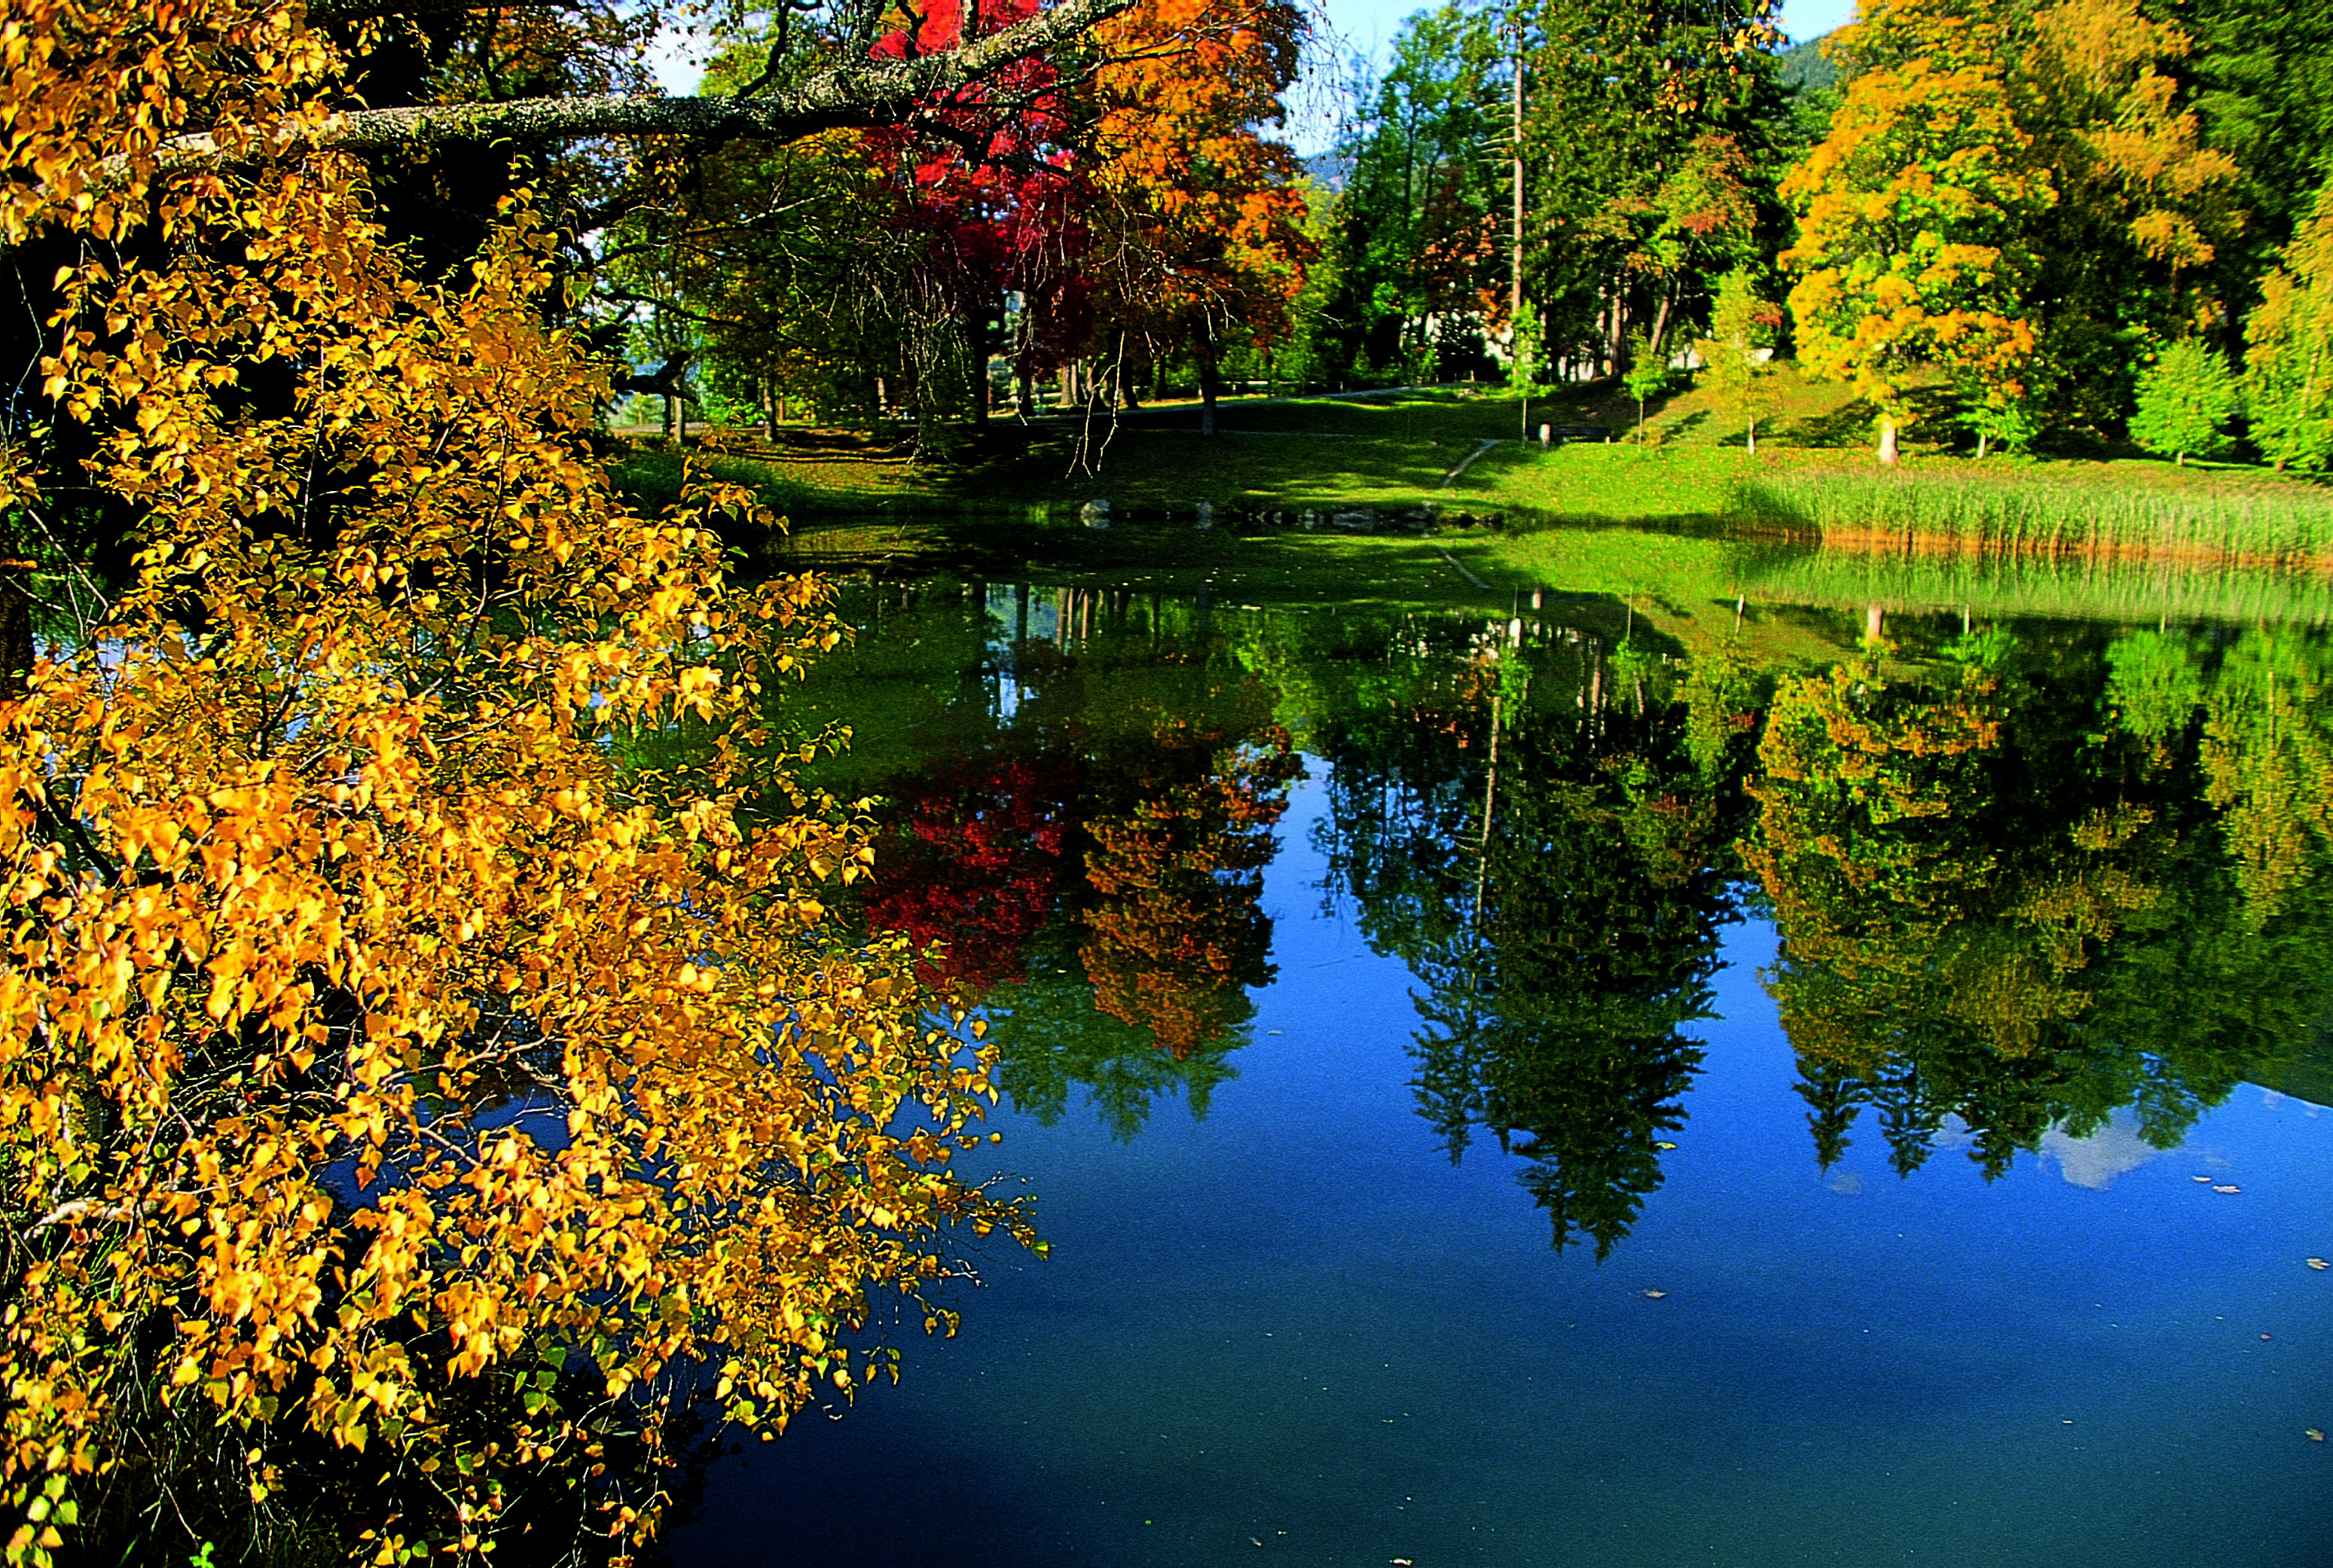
pixel 377 1021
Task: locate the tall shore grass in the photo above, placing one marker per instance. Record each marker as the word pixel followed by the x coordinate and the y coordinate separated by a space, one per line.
pixel 2075 588
pixel 2090 509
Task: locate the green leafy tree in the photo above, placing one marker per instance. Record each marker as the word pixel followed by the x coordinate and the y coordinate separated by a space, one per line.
pixel 1738 355
pixel 2263 76
pixel 2185 400
pixel 1652 126
pixel 1417 225
pixel 2004 416
pixel 2288 349
pixel 1647 376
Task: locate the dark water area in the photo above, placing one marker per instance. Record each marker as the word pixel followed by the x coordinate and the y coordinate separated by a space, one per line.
pixel 1521 1089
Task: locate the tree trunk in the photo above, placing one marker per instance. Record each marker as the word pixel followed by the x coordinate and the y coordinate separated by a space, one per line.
pixel 1753 437
pixel 1521 354
pixel 1209 386
pixel 16 652
pixel 1887 439
pixel 1489 805
pixel 982 326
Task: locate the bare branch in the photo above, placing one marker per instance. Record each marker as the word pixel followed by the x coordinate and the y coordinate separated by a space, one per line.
pixel 866 92
pixel 77 1211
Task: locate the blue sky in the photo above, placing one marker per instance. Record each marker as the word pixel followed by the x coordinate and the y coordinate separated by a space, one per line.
pixel 1371 23
pixel 1365 24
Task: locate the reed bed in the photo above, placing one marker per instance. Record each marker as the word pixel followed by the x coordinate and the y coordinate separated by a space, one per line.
pixel 2030 512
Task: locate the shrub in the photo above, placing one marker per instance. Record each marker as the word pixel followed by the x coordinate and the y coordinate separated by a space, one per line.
pixel 2185 400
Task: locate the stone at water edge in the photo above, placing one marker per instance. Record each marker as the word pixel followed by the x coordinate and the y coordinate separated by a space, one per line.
pixel 1204 516
pixel 1095 513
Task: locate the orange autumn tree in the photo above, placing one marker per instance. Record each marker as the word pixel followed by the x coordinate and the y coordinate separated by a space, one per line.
pixel 383 1036
pixel 1915 216
pixel 2131 250
pixel 2013 200
pixel 1204 241
pixel 2102 80
pixel 1179 932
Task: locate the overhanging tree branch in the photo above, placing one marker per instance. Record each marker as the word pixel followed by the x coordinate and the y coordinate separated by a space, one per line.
pixel 863 93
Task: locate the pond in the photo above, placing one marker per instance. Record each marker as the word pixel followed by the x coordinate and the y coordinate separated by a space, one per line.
pixel 1554 1083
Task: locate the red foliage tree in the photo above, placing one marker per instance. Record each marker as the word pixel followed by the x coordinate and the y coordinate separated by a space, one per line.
pixel 987 178
pixel 978 871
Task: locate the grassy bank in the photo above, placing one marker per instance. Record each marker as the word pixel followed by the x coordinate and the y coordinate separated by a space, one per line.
pixel 1811 476
pixel 1689 520
pixel 1691 579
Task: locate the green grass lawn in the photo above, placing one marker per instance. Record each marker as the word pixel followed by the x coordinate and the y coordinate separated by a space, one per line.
pixel 1688 517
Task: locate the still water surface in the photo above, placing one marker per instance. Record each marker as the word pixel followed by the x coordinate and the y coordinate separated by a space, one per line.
pixel 1880 1017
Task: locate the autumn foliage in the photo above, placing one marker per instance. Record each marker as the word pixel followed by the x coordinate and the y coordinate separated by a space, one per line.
pixel 375 1021
pixel 1178 934
pixel 1206 243
pixel 1914 218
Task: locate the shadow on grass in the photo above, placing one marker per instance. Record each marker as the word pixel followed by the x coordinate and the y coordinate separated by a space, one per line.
pixel 1848 425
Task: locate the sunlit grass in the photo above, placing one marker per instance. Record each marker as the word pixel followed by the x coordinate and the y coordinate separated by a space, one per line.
pixel 1686 524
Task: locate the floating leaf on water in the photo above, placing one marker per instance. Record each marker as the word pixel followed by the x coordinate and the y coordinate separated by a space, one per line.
pixel 2199 1178
pixel 1652 1295
pixel 2313 1435
pixel 1663 1144
pixel 2227 1188
pixel 2316 1263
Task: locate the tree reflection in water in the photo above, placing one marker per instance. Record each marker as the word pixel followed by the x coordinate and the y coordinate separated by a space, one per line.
pixel 2022 878
pixel 2042 880
pixel 1547 862
pixel 1081 851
